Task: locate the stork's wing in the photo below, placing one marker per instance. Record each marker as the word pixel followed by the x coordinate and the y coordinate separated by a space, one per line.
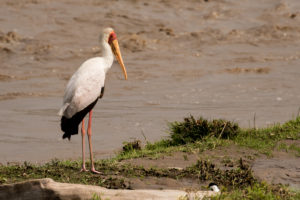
pixel 83 88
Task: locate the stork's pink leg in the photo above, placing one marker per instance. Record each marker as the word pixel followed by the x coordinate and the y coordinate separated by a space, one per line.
pixel 83 169
pixel 89 130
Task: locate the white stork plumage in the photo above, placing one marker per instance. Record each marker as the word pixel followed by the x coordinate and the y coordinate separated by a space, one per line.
pixel 84 89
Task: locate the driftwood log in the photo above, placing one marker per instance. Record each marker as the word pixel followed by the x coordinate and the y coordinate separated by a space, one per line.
pixel 49 189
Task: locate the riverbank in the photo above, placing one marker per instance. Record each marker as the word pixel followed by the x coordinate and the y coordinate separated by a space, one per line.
pixel 244 161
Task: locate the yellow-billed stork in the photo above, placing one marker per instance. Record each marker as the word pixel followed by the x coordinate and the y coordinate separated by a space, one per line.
pixel 84 89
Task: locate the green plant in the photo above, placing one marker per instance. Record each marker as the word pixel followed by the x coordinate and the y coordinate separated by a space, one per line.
pixel 130 146
pixel 192 130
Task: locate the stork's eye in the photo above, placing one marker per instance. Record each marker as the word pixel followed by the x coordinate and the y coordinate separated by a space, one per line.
pixel 110 38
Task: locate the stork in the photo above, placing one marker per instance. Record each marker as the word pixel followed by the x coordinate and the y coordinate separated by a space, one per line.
pixel 84 89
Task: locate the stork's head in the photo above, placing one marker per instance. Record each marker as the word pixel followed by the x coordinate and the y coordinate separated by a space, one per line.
pixel 111 38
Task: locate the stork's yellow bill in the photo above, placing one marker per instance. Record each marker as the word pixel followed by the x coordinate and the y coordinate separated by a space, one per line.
pixel 113 42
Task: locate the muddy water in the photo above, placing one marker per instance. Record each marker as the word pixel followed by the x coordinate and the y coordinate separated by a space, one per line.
pixel 217 59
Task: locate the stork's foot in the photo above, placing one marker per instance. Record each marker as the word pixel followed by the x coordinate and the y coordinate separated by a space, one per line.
pixel 83 169
pixel 94 171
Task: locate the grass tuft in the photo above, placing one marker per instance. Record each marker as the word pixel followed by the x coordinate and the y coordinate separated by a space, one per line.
pixel 192 130
pixel 130 146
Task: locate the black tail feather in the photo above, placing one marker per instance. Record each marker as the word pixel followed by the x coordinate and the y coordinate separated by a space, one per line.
pixel 70 125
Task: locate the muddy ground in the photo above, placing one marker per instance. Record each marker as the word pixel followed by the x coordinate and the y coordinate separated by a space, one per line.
pixel 280 168
pixel 217 58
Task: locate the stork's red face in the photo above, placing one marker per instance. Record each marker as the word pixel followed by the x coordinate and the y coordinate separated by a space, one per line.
pixel 113 42
pixel 112 37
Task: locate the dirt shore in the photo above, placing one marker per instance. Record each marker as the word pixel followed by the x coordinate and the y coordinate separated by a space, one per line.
pixel 280 168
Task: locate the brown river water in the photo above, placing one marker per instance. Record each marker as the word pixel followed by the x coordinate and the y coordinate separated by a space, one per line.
pixel 213 58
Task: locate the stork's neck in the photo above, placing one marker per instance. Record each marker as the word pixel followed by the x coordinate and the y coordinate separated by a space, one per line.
pixel 107 54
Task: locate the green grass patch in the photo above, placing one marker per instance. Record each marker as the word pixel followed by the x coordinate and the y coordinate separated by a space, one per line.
pixel 62 171
pixel 265 139
pixel 114 174
pixel 153 150
pixel 201 134
pixel 261 191
pixel 289 147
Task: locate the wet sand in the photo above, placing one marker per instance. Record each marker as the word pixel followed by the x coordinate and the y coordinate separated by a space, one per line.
pixel 216 58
